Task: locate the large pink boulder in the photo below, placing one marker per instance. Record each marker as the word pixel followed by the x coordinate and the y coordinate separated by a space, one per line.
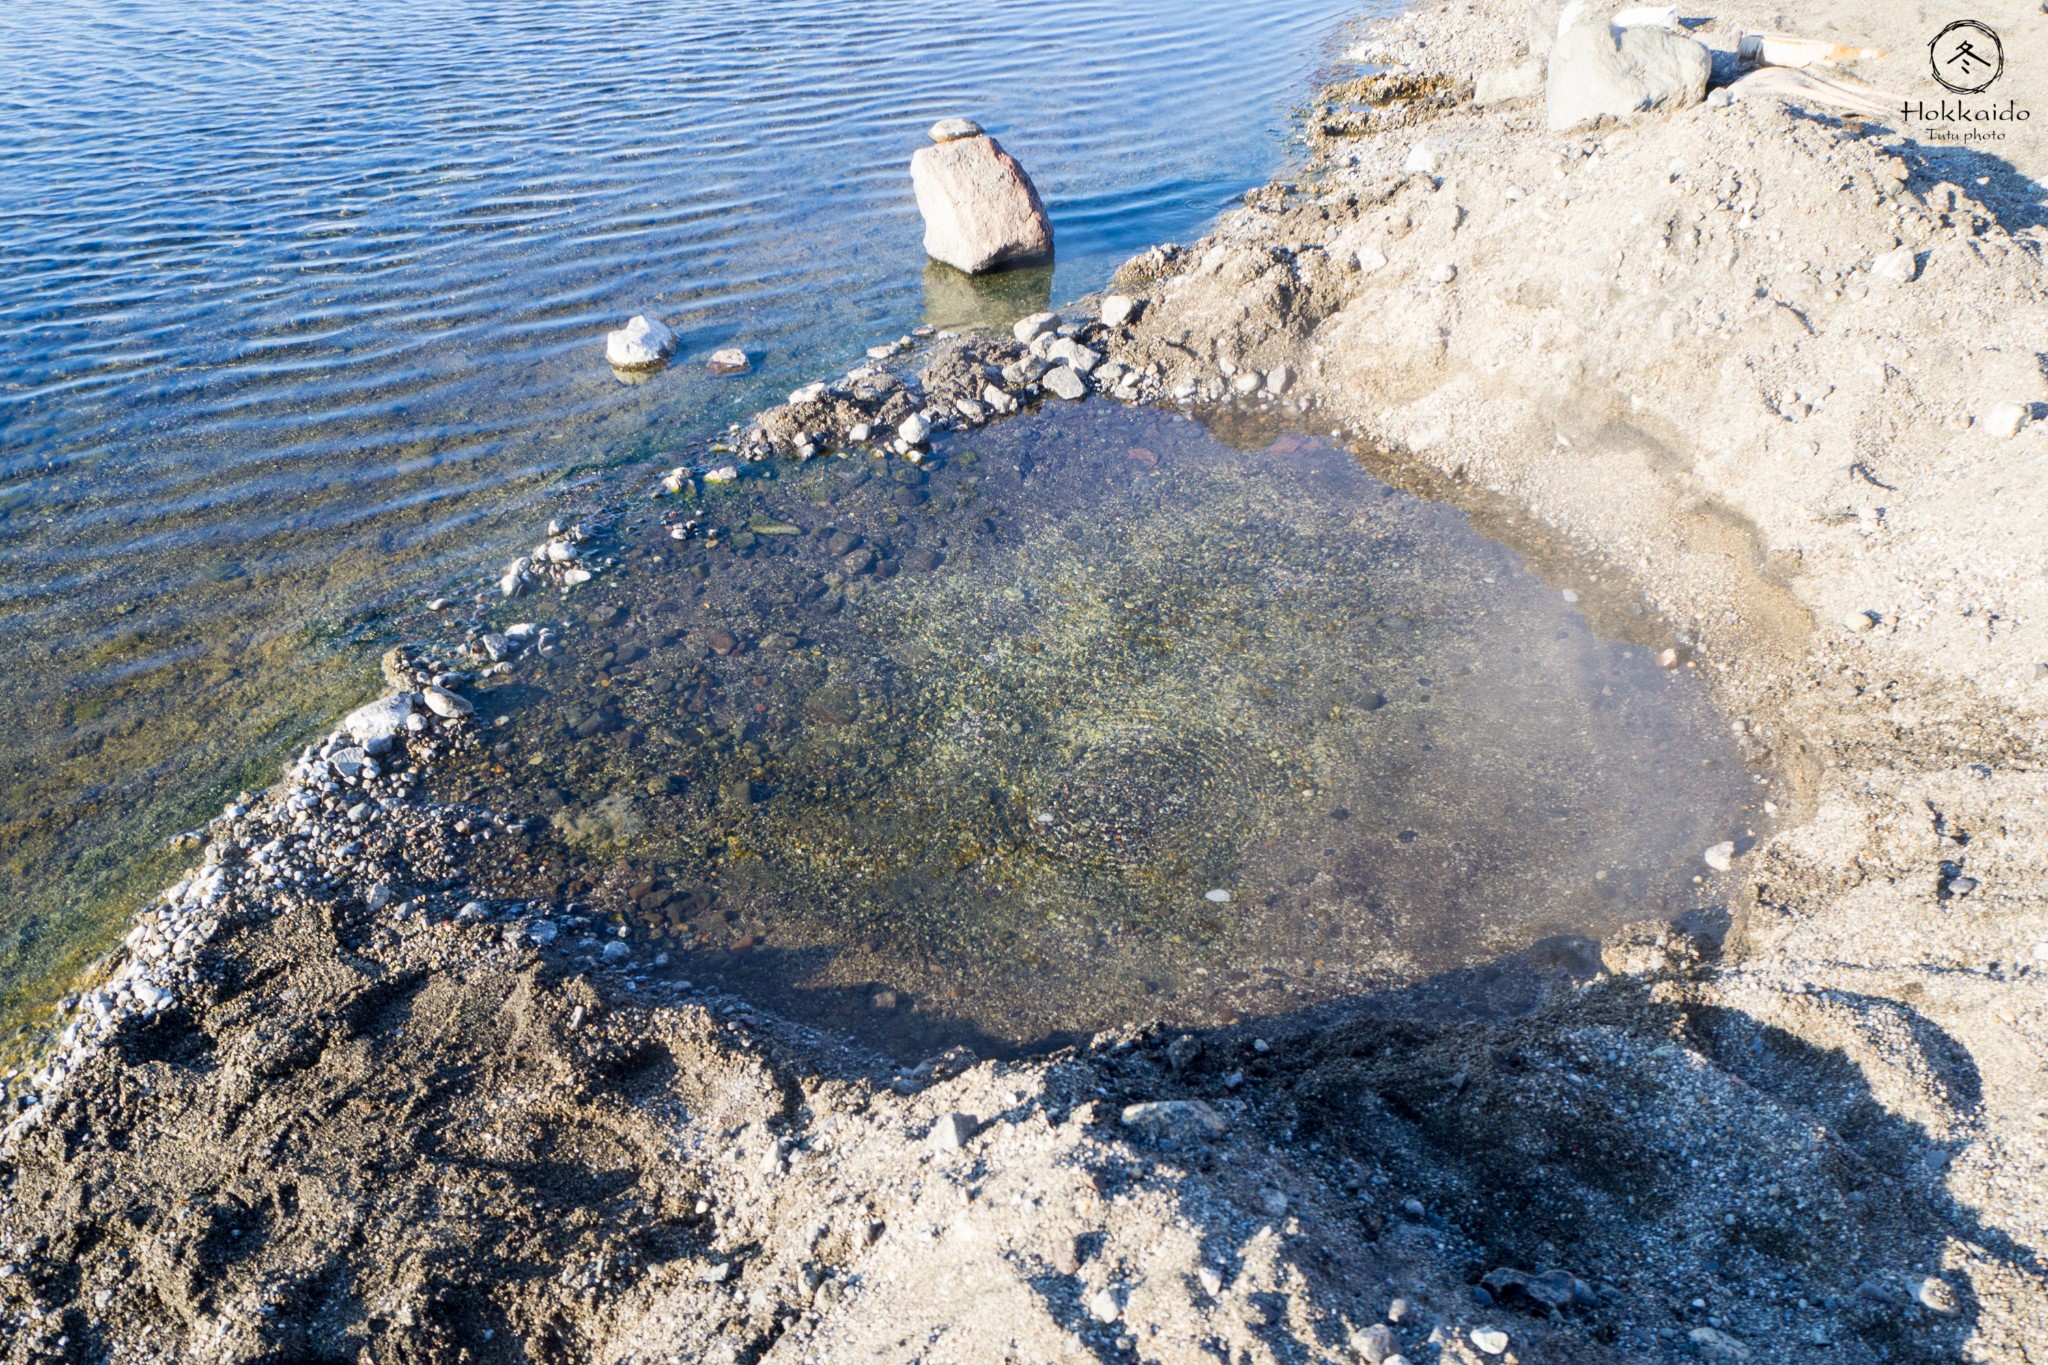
pixel 980 208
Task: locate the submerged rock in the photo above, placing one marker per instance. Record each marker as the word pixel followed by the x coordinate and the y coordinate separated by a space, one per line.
pixel 980 208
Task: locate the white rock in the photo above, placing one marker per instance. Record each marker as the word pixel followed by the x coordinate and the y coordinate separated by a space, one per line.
pixel 1028 330
pixel 1073 353
pixel 1248 382
pixel 722 474
pixel 447 704
pixel 953 129
pixel 1596 70
pixel 576 576
pixel 1279 379
pixel 1901 266
pixel 1443 272
pixel 1721 856
pixel 1217 896
pixel 953 1131
pixel 2006 419
pixel 1103 1307
pixel 383 719
pixel 1061 381
pixel 641 344
pixel 980 208
pixel 859 432
pixel 1175 1119
pixel 729 360
pixel 561 551
pixel 1118 309
pixel 1647 16
pixel 1505 84
pixel 914 429
pixel 1491 1340
pixel 1370 259
pixel 1422 159
pixel 809 393
pixel 1857 622
pixel 998 399
pixel 973 409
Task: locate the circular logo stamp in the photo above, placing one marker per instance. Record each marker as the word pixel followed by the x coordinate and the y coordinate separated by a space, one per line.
pixel 1967 57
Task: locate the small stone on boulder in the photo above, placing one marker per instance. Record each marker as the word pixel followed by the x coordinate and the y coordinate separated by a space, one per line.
pixel 980 208
pixel 954 129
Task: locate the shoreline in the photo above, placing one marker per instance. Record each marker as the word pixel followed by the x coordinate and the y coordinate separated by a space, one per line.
pixel 1826 1112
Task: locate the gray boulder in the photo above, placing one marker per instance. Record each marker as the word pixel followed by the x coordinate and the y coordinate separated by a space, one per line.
pixel 1597 70
pixel 980 208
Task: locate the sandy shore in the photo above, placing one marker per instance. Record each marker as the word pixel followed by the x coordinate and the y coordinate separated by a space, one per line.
pixel 328 1120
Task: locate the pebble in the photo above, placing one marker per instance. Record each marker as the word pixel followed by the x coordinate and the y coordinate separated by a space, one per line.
pixel 997 399
pixel 1217 896
pixel 914 429
pixel 730 360
pixel 1901 266
pixel 447 704
pixel 1857 622
pixel 1118 309
pixel 1074 353
pixel 1211 1280
pixel 1371 259
pixel 1374 1344
pixel 2007 419
pixel 953 129
pixel 641 344
pixel 1279 380
pixel 1721 856
pixel 1443 273
pixel 1490 1340
pixel 723 474
pixel 1028 330
pixel 1422 160
pixel 1174 1120
pixel 1062 381
pixel 809 393
pixel 1961 886
pixel 616 951
pixel 953 1131
pixel 1103 1307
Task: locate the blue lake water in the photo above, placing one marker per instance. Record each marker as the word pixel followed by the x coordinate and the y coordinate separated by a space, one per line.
pixel 304 307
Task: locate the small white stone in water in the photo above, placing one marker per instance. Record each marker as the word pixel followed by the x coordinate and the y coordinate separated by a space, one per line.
pixel 997 399
pixel 642 343
pixel 1569 595
pixel 1721 856
pixel 914 429
pixel 859 432
pixel 575 577
pixel 722 474
pixel 729 360
pixel 1219 896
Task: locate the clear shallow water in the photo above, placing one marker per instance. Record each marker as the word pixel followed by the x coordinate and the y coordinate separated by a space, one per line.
pixel 303 307
pixel 1101 719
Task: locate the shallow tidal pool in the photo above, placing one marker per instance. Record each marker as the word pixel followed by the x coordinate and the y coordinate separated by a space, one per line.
pixel 1095 718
